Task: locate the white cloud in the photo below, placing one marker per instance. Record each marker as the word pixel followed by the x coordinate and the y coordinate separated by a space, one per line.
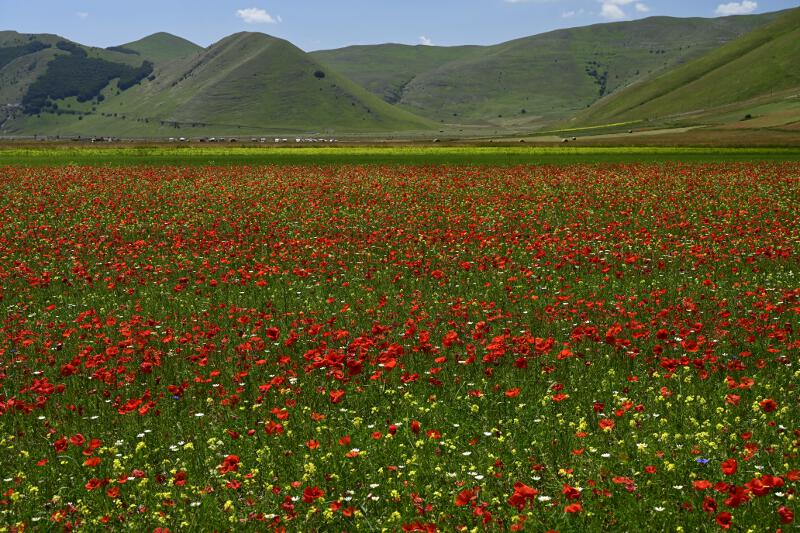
pixel 572 13
pixel 426 41
pixel 255 15
pixel 737 8
pixel 612 9
pixel 82 14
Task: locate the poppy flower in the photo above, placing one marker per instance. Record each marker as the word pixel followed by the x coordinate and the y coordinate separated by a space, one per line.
pixel 466 496
pixel 522 495
pixel 229 464
pixel 709 504
pixel 729 467
pixel 92 462
pixel 724 520
pixel 311 494
pixel 768 405
pixel 336 396
pixel 606 424
pixel 786 515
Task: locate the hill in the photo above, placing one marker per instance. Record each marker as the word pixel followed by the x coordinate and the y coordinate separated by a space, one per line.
pixel 748 71
pixel 41 71
pixel 162 47
pixel 535 79
pixel 247 83
pixel 252 84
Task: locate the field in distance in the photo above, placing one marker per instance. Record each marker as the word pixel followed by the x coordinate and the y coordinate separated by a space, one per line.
pixel 31 154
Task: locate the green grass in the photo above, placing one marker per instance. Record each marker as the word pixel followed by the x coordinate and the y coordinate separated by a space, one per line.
pixel 163 47
pixel 546 75
pixel 488 156
pixel 248 83
pixel 395 337
pixel 760 63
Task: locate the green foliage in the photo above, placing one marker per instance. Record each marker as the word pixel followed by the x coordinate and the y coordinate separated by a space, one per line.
pixel 758 64
pixel 551 75
pixel 132 76
pixel 162 48
pixel 10 53
pixel 122 50
pixel 80 76
pixel 486 156
pixel 72 48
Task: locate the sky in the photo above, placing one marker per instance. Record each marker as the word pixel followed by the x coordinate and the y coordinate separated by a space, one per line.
pixel 321 24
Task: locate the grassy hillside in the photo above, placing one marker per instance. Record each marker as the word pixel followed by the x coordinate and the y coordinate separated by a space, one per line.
pixel 386 69
pixel 163 47
pixel 761 63
pixel 38 67
pixel 534 79
pixel 247 83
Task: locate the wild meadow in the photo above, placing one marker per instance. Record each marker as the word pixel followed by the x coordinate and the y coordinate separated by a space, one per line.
pixel 582 347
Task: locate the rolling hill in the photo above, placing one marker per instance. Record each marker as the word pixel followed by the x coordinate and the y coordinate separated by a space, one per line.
pixel 254 84
pixel 37 71
pixel 536 79
pixel 247 83
pixel 752 70
pixel 162 47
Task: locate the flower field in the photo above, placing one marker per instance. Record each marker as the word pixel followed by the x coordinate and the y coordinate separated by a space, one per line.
pixel 419 348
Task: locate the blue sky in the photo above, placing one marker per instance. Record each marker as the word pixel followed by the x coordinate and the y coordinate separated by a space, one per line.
pixel 320 24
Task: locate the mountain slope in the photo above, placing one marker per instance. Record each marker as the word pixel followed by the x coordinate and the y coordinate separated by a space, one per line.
pixel 248 83
pixel 762 62
pixel 163 47
pixel 536 78
pixel 385 69
pixel 36 70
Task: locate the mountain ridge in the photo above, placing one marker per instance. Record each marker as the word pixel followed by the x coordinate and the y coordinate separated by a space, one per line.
pixel 250 82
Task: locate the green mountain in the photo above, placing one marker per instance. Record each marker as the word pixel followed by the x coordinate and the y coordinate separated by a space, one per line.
pixel 535 79
pixel 253 84
pixel 162 47
pixel 39 71
pixel 753 69
pixel 247 83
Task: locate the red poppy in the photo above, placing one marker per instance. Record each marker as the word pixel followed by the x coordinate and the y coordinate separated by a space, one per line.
pixel 573 508
pixel 92 461
pixel 724 520
pixel 606 424
pixel 729 467
pixel 570 493
pixel 229 464
pixel 60 445
pixel 768 405
pixel 311 494
pixel 336 396
pixel 466 496
pixel 786 515
pixel 522 495
pixel 93 484
pixel 709 504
